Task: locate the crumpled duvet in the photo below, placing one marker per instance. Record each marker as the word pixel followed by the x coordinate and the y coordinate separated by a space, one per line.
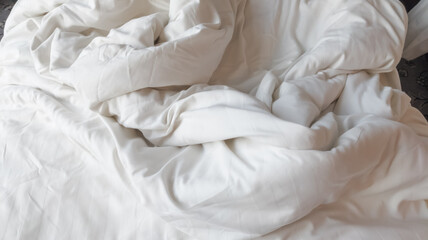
pixel 203 119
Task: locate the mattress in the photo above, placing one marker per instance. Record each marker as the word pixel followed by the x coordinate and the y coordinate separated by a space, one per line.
pixel 199 119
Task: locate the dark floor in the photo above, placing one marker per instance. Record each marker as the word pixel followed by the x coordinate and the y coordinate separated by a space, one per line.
pixel 414 81
pixel 413 74
pixel 5 7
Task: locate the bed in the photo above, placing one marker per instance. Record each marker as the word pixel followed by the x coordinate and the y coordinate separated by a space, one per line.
pixel 197 119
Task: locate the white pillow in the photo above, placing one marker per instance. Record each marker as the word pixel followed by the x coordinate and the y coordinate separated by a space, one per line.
pixel 417 33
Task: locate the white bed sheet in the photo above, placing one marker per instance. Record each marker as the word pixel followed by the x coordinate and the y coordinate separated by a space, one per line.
pixel 209 120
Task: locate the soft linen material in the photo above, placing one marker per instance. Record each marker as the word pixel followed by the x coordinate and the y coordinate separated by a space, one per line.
pixel 222 119
pixel 417 35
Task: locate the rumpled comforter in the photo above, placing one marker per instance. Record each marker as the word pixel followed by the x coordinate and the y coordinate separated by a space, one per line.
pixel 209 119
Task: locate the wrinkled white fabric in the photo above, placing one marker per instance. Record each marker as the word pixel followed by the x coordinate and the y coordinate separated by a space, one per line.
pixel 225 119
pixel 417 35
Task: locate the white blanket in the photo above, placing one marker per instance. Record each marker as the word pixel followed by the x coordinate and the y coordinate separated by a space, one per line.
pixel 209 119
